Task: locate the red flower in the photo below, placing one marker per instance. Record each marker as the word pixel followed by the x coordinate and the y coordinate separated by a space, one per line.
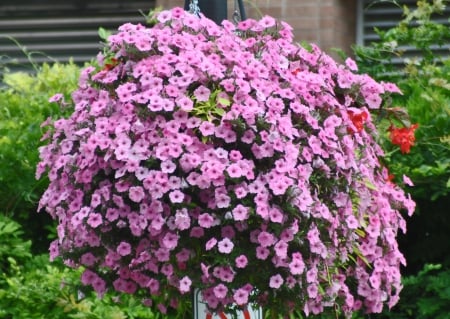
pixel 112 64
pixel 358 120
pixel 403 137
pixel 296 71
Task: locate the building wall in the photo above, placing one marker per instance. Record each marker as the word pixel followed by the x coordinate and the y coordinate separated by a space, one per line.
pixel 328 23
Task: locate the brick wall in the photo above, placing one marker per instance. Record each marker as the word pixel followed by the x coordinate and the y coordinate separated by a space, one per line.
pixel 328 23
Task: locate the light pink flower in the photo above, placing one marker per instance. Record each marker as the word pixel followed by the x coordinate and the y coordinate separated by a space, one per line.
pixel 266 239
pixel 202 93
pixel 241 261
pixel 182 219
pixel 225 246
pixel 136 193
pixel 296 266
pixel 205 220
pixel 276 281
pixel 56 98
pixel 176 196
pixel 234 171
pixel 210 244
pixel 240 296
pixel 207 128
pixel 220 291
pixel 185 284
pixel 240 213
pixel 94 220
pixel 407 181
pixel 123 249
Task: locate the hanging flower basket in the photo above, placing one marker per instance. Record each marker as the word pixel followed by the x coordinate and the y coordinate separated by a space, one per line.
pixel 228 159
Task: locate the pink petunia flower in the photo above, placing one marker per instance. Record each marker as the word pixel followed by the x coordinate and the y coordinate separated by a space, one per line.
pixel 240 213
pixel 220 291
pixel 241 261
pixel 210 244
pixel 94 220
pixel 202 93
pixel 185 284
pixel 225 246
pixel 136 193
pixel 176 196
pixel 205 220
pixel 276 281
pixel 123 249
pixel 240 296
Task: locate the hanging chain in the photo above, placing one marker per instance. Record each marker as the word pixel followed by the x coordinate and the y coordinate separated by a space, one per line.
pixel 236 13
pixel 194 7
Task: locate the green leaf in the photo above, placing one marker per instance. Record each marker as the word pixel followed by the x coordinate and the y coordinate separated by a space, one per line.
pixel 224 101
pixel 219 111
pixel 103 33
pixel 369 185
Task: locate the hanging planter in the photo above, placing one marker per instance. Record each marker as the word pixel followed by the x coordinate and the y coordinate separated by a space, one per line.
pixel 229 159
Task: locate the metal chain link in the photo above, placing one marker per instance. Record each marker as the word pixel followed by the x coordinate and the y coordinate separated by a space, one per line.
pixel 236 14
pixel 194 7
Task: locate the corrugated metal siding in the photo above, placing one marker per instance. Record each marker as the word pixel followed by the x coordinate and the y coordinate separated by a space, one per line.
pixel 62 29
pixel 384 15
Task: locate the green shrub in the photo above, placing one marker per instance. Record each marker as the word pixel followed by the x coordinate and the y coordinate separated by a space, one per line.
pixel 31 287
pixel 425 296
pixel 23 107
pixel 42 290
pixel 425 82
pixel 13 247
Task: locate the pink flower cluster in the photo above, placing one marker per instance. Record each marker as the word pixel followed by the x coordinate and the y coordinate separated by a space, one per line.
pixel 225 158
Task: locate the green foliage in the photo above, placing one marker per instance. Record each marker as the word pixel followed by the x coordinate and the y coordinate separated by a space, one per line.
pixel 425 295
pixel 40 290
pixel 425 82
pixel 31 287
pixel 23 107
pixel 13 247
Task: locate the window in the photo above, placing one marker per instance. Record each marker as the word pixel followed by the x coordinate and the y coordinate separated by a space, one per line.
pixel 60 30
pixel 385 14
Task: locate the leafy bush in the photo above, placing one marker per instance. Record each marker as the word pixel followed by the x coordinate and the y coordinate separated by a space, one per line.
pixel 425 82
pixel 30 287
pixel 42 290
pixel 13 246
pixel 426 295
pixel 23 106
